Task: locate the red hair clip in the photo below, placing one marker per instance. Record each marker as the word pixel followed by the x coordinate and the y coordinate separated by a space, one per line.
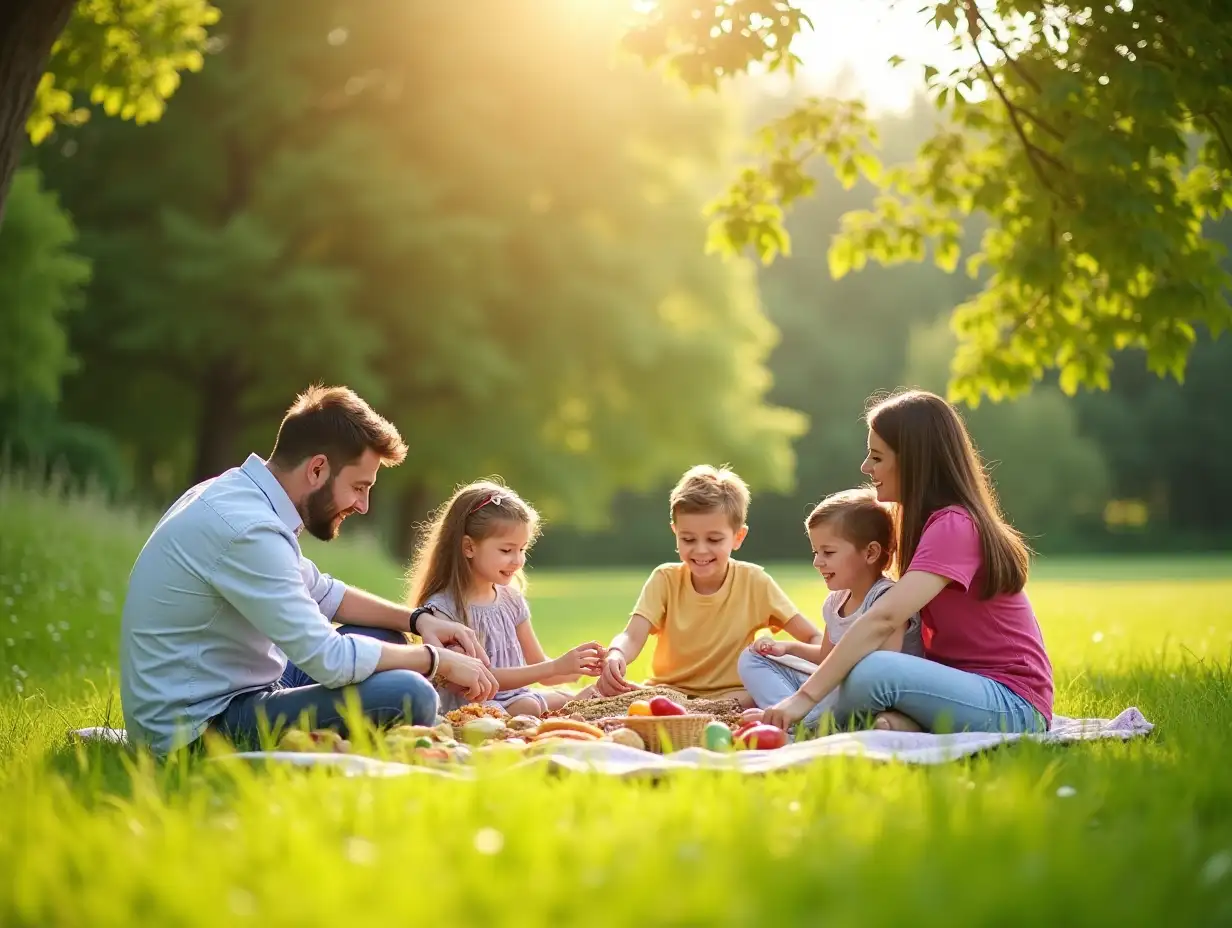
pixel 490 498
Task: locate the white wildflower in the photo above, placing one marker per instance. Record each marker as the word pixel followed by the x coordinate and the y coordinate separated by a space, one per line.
pixel 489 841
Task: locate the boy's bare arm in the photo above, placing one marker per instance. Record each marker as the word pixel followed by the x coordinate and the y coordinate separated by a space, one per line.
pixel 623 650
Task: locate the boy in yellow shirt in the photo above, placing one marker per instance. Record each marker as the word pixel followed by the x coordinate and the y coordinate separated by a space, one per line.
pixel 705 610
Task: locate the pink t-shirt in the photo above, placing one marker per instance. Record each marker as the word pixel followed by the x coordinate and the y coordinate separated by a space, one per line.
pixel 997 638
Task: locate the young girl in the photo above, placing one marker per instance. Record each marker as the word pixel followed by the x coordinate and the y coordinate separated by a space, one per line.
pixel 963 569
pixel 469 568
pixel 852 536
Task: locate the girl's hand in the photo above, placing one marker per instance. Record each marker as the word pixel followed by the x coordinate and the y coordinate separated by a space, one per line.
pixel 786 713
pixel 770 647
pixel 586 660
pixel 612 680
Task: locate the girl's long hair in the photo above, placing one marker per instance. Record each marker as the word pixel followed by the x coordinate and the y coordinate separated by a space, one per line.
pixel 939 466
pixel 478 510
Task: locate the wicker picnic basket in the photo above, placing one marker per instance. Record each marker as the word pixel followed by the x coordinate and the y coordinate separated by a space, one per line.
pixel 668 732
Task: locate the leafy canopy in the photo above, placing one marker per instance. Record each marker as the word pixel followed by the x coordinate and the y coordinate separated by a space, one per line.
pixel 1095 141
pixel 504 263
pixel 123 55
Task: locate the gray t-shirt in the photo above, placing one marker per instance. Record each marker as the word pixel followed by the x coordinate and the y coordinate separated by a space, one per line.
pixel 837 625
pixel 496 625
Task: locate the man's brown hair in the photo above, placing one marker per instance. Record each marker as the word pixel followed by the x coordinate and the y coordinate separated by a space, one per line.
pixel 335 422
pixel 709 489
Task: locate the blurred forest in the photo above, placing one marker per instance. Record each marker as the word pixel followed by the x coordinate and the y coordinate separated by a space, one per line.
pixel 492 227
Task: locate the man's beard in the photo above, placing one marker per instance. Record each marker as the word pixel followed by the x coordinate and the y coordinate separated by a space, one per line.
pixel 322 517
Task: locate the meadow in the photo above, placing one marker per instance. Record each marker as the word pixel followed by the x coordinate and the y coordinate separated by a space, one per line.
pixel 1126 834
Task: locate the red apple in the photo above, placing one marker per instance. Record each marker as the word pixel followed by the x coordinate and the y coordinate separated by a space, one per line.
pixel 661 705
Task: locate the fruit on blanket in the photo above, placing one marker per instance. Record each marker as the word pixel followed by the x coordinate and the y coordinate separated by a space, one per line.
pixel 327 739
pixel 443 730
pixel 661 705
pixel 717 737
pixel 763 738
pixel 523 723
pixel 561 734
pixel 413 731
pixel 629 738
pixel 736 735
pixel 296 739
pixel 549 725
pixel 639 707
pixel 431 756
pixel 479 730
pixel 512 747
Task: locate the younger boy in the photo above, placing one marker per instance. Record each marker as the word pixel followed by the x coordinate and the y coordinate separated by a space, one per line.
pixel 706 609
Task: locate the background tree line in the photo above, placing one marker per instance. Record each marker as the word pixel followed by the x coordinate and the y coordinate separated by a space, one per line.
pixel 496 236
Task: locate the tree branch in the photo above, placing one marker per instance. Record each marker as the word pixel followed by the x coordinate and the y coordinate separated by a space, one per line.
pixel 1033 151
pixel 1039 121
pixel 1030 149
pixel 978 17
pixel 1223 138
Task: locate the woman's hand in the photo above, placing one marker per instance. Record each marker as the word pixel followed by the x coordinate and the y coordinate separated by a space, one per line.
pixel 788 712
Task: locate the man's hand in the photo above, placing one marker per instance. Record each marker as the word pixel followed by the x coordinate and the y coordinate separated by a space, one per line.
pixel 586 660
pixel 786 713
pixel 612 680
pixel 467 675
pixel 444 632
pixel 769 647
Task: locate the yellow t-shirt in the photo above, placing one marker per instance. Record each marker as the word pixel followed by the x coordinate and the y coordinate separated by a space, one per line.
pixel 699 638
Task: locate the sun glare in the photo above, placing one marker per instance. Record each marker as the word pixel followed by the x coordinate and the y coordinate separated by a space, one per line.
pixel 851 43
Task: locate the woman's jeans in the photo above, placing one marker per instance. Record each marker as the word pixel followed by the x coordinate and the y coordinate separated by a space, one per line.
pixel 936 697
pixel 385 697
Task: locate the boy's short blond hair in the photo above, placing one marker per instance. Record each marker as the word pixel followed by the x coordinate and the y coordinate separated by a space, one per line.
pixel 712 489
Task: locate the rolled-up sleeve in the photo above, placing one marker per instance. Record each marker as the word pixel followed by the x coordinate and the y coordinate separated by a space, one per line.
pixel 259 573
pixel 323 588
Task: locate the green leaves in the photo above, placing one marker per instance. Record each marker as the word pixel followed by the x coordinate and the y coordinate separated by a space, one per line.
pixel 749 215
pixel 122 55
pixel 702 44
pixel 40 283
pixel 510 266
pixel 1096 146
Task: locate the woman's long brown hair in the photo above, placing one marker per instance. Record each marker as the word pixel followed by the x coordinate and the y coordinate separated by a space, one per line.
pixel 939 466
pixel 479 510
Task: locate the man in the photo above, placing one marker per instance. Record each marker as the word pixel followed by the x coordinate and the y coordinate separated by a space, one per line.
pixel 221 597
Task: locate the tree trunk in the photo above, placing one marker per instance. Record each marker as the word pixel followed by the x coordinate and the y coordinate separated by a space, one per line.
pixel 219 424
pixel 414 506
pixel 28 30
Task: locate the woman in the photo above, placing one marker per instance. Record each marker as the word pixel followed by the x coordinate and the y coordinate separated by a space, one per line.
pixel 963 569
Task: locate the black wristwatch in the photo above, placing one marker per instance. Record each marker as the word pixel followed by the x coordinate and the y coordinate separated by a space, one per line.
pixel 416 613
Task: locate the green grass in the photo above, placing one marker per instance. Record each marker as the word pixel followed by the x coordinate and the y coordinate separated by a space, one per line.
pixel 88 837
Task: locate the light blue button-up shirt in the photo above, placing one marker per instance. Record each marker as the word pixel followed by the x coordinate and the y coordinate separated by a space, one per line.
pixel 219 599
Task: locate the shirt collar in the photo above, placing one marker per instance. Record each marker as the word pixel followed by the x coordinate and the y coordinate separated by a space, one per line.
pixel 256 471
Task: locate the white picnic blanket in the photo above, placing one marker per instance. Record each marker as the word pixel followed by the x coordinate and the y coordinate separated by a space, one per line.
pixel 618 760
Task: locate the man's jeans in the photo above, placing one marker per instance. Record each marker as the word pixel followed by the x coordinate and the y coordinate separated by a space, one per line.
pixel 937 697
pixel 385 697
